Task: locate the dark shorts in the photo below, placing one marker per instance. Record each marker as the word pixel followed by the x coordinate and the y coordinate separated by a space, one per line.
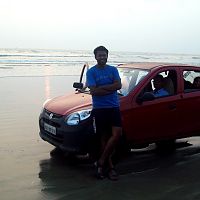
pixel 106 118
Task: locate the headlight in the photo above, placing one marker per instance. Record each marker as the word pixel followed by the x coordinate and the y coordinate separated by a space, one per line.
pixel 76 117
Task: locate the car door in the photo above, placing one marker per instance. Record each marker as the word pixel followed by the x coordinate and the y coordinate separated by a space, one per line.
pixel 151 120
pixel 189 105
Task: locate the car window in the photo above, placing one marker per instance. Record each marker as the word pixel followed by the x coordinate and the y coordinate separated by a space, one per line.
pixel 191 81
pixel 162 84
pixel 130 79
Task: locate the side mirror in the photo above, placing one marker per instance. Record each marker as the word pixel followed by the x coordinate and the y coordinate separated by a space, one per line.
pixel 78 85
pixel 147 96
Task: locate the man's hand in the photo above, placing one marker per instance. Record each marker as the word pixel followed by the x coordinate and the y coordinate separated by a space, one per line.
pixel 106 89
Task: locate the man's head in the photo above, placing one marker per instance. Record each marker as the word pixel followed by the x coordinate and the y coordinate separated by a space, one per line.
pixel 196 83
pixel 158 82
pixel 101 55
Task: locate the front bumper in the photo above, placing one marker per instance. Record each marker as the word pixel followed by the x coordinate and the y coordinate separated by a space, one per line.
pixel 75 139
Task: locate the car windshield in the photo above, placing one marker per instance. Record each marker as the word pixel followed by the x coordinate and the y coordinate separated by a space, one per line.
pixel 130 78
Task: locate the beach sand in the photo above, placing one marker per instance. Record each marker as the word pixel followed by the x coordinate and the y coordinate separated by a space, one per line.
pixel 27 171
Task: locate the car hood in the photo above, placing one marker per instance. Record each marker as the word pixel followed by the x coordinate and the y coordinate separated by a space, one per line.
pixel 69 103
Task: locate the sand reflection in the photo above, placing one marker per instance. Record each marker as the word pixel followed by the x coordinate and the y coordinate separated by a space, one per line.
pixel 47 73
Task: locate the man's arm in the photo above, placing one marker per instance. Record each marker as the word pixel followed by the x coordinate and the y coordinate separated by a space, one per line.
pixel 106 89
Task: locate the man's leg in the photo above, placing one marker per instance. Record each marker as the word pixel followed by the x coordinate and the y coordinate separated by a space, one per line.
pixel 100 173
pixel 110 145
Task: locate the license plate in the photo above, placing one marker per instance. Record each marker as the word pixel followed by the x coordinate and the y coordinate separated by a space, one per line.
pixel 50 129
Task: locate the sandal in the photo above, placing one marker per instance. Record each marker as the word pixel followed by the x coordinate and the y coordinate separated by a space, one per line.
pixel 112 174
pixel 99 171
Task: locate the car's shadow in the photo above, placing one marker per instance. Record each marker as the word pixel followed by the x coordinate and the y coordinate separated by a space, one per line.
pixel 64 176
pixel 152 157
pixel 137 160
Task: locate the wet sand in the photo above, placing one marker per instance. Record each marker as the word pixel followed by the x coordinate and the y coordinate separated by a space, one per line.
pixel 27 171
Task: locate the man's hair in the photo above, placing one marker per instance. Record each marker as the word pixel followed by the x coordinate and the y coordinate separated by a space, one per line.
pixel 160 77
pixel 100 48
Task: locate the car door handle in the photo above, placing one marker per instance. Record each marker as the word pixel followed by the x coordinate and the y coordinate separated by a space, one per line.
pixel 172 106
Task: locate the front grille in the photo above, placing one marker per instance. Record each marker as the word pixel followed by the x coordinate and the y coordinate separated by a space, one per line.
pixel 55 116
pixel 50 122
pixel 57 138
pixel 52 118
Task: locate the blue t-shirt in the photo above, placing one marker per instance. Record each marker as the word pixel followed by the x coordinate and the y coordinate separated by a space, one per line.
pixel 160 93
pixel 103 76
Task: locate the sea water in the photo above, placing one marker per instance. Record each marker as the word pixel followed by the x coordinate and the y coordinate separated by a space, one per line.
pixel 27 78
pixel 46 62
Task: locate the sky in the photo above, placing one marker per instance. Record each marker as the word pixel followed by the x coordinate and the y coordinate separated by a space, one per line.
pixel 161 26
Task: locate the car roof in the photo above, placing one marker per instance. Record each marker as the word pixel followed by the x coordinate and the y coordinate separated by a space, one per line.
pixel 151 65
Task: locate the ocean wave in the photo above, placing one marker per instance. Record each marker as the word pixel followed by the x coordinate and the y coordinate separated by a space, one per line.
pixel 32 76
pixel 196 57
pixel 43 56
pixel 6 67
pixel 143 57
pixel 28 62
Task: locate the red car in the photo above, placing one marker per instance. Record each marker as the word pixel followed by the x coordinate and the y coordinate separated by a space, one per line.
pixel 66 121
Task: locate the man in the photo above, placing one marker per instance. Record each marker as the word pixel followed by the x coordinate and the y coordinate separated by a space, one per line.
pixel 104 81
pixel 158 83
pixel 196 83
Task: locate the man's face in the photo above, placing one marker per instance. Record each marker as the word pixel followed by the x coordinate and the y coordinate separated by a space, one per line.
pixel 101 57
pixel 158 84
pixel 197 83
